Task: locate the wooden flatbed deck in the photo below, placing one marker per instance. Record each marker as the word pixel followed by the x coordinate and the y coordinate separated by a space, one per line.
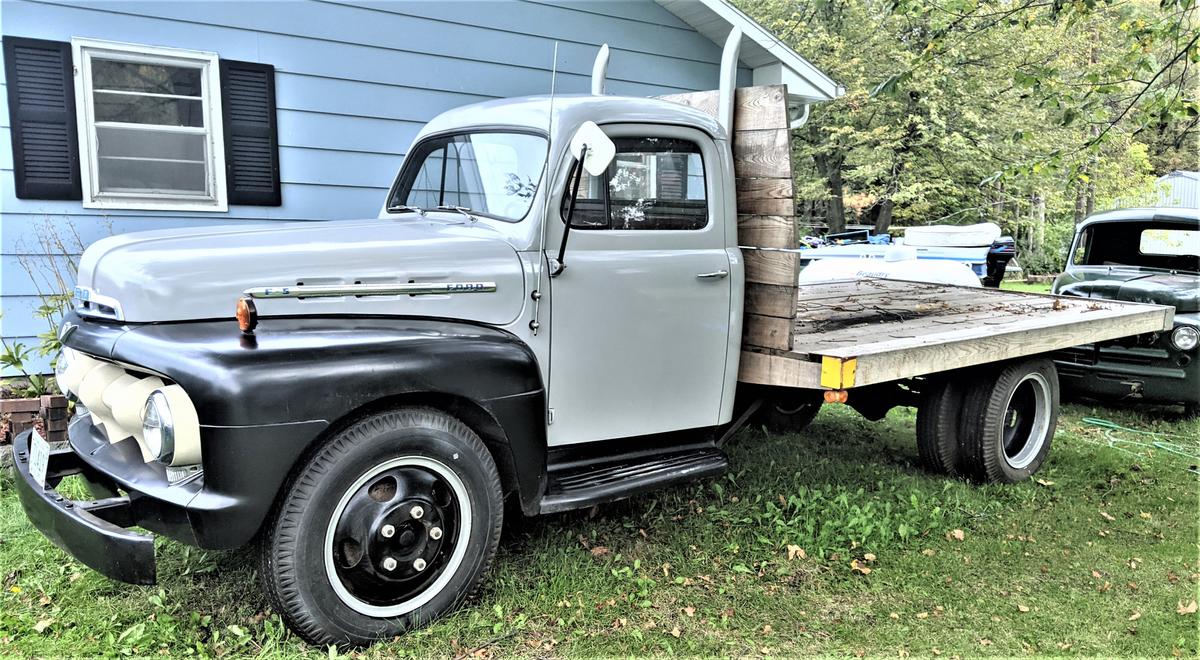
pixel 861 332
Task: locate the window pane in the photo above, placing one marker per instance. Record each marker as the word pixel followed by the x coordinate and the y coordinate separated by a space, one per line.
pixel 136 109
pixel 125 142
pixel 653 183
pixel 492 173
pixel 1171 242
pixel 138 161
pixel 138 77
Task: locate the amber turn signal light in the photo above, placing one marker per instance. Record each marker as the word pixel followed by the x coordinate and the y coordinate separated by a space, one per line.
pixel 836 396
pixel 247 315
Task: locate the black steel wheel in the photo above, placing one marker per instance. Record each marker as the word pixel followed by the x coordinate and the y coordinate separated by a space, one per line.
pixel 390 524
pixel 1008 421
pixel 938 420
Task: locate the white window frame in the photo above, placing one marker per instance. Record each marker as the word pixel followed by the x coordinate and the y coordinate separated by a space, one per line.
pixel 216 199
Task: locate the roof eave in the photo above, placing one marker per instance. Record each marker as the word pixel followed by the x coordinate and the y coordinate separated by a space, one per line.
pixel 772 61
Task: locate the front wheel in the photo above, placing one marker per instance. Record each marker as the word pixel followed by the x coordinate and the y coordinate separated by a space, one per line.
pixel 390 524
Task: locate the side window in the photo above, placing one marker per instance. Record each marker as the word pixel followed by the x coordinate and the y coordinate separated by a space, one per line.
pixel 1081 248
pixel 653 183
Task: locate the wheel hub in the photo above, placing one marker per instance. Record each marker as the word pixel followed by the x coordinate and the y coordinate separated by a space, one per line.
pixel 393 537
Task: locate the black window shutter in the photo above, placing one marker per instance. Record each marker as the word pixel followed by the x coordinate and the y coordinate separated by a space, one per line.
pixel 251 136
pixel 41 107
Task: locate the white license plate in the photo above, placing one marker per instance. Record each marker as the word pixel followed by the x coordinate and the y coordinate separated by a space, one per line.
pixel 39 458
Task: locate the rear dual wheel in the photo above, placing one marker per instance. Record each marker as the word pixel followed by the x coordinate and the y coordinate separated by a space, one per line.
pixel 390 524
pixel 992 425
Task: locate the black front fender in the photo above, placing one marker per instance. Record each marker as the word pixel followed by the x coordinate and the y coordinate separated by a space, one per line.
pixel 263 399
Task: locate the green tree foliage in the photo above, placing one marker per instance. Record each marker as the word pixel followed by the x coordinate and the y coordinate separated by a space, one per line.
pixel 1030 113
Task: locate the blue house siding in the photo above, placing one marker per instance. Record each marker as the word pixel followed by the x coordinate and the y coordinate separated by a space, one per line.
pixel 355 81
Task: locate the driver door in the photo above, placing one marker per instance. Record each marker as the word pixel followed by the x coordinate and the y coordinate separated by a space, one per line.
pixel 640 318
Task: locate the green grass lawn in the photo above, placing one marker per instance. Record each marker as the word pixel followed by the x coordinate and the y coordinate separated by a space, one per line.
pixel 1018 285
pixel 1097 556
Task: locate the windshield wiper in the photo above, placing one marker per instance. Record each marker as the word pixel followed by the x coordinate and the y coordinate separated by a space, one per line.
pixel 402 208
pixel 461 209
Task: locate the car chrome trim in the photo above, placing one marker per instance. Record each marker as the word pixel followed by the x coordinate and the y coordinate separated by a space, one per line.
pixel 91 304
pixel 358 290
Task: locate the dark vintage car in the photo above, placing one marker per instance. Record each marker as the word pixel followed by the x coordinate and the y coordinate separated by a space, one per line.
pixel 1139 255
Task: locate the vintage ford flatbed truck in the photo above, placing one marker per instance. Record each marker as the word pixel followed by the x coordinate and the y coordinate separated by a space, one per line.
pixel 565 301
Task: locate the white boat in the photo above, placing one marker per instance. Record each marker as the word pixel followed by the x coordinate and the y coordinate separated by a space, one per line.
pixel 896 262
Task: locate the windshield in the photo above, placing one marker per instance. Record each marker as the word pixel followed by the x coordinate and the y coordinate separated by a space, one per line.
pixel 492 174
pixel 1146 244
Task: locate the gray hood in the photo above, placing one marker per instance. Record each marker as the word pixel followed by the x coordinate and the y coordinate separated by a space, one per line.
pixel 187 274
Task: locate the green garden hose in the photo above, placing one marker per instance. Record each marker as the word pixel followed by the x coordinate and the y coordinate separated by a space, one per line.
pixel 1120 444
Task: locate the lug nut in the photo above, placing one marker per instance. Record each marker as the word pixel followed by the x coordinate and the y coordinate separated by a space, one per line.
pixel 416 512
pixel 389 564
pixel 435 533
pixel 419 564
pixel 387 531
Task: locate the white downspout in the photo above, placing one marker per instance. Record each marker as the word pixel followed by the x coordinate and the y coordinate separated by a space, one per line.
pixel 797 122
pixel 729 63
pixel 600 71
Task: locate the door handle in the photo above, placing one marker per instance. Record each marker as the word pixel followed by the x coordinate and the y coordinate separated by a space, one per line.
pixel 715 275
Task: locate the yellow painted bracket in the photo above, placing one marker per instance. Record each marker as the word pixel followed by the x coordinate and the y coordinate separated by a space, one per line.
pixel 838 373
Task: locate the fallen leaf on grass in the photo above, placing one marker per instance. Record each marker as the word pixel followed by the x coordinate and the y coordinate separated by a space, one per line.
pixel 676 632
pixel 1135 615
pixel 44 600
pixel 928 552
pixel 599 551
pixel 1144 515
pixel 870 556
pixel 796 552
pixel 922 615
pixel 894 615
pixel 41 626
pixel 690 611
pixel 1045 482
pixel 957 535
pixel 985 642
pixel 1184 609
pixel 861 568
pixel 767 629
pixel 1107 516
pixel 1022 608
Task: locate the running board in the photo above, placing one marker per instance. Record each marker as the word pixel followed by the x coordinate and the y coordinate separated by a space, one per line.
pixel 582 485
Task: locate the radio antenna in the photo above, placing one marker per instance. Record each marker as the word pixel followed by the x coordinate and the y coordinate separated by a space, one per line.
pixel 534 323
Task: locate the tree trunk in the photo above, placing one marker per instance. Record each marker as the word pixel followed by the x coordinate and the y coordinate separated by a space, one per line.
pixel 836 213
pixel 884 218
pixel 1039 216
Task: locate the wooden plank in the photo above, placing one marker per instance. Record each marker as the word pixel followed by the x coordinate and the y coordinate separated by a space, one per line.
pixel 763 267
pixel 876 332
pixel 770 300
pixel 1031 337
pixel 766 231
pixel 767 206
pixel 768 369
pixel 767 332
pixel 762 153
pixel 764 106
pixel 772 188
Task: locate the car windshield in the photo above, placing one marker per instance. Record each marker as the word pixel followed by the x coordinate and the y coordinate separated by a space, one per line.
pixel 492 174
pixel 1173 246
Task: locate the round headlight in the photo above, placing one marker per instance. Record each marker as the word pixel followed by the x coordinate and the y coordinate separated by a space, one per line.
pixel 158 428
pixel 1185 337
